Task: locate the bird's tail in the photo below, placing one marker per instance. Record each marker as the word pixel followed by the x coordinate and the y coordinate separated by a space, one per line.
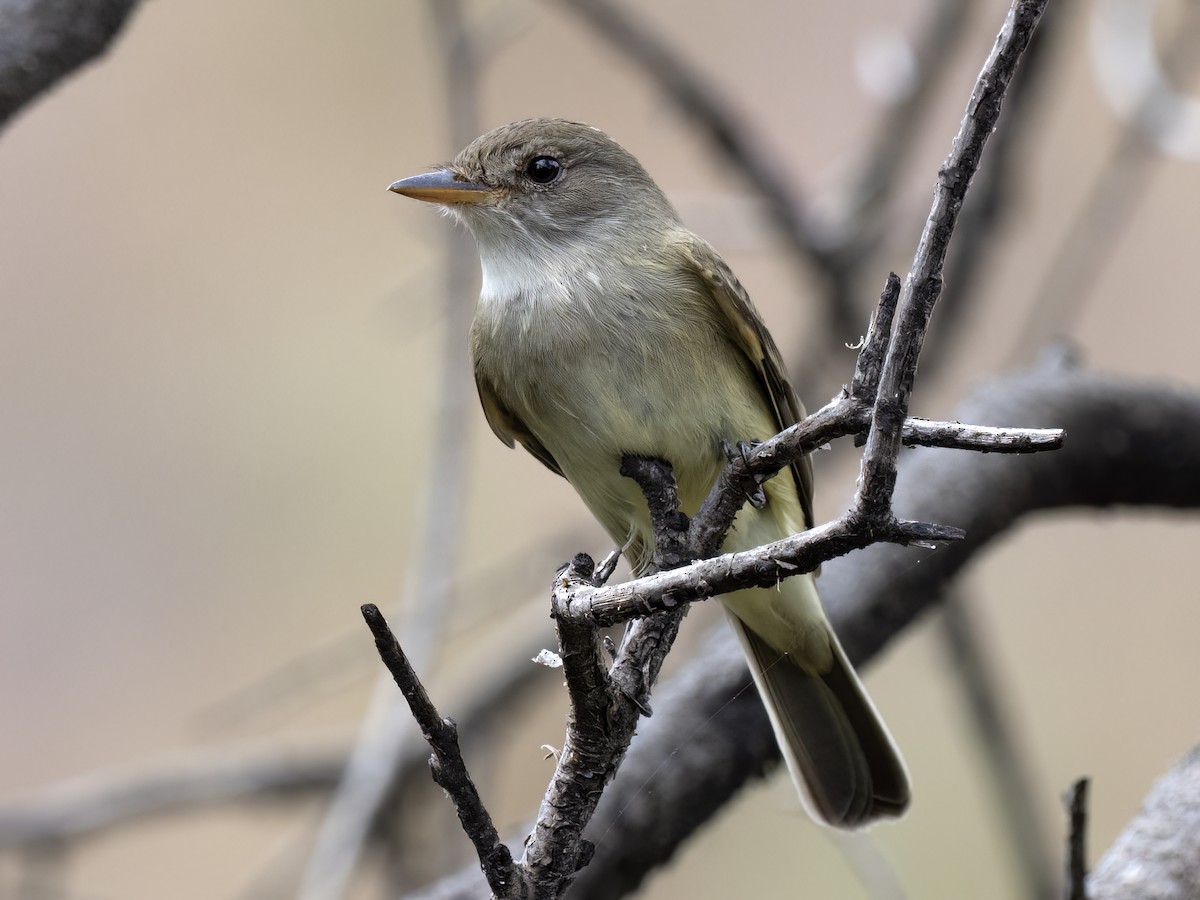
pixel 844 762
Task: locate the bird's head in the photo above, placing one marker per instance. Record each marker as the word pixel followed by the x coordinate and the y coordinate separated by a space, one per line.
pixel 540 186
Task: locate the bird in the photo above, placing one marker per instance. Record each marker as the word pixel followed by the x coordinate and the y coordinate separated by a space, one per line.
pixel 605 328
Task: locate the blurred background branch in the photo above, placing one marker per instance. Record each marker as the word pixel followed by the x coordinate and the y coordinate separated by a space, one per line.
pixel 43 41
pixel 424 610
pixel 190 423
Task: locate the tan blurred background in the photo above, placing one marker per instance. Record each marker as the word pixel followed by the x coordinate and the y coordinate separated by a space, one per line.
pixel 217 339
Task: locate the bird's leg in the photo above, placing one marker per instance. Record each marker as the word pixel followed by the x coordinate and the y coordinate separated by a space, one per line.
pixel 755 495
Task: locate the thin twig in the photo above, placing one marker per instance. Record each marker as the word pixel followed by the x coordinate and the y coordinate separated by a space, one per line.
pixel 449 769
pixel 765 565
pixel 555 850
pixel 869 368
pixel 745 471
pixel 996 191
pixel 648 640
pixel 993 197
pixel 916 299
pixel 728 494
pixel 877 475
pixel 983 438
pixel 760 567
pixel 1076 801
pixel 840 417
pixel 670 526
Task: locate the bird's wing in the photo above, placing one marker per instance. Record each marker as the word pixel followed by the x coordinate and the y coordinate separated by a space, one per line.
pixel 750 335
pixel 508 427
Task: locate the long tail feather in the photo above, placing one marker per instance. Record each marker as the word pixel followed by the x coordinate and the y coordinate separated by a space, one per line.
pixel 844 762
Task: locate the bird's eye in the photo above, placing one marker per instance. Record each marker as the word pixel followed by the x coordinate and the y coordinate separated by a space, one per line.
pixel 543 169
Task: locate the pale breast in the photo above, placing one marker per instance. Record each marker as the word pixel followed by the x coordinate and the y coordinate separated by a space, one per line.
pixel 599 368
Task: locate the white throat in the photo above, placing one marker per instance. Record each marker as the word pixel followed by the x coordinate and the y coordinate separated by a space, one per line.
pixel 509 274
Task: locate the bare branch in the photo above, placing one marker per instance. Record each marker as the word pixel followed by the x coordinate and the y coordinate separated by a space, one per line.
pixel 449 770
pixel 670 526
pixel 1076 800
pixel 871 356
pixel 877 475
pixel 760 567
pixel 997 188
pixel 986 209
pixel 841 416
pixel 984 438
pixel 836 419
pixel 583 665
pixel 920 292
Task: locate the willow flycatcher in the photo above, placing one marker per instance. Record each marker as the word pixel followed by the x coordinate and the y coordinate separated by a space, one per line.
pixel 605 328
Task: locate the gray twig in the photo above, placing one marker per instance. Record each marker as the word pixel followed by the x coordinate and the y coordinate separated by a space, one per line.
pixel 449 769
pixel 1076 801
pixel 923 286
pixel 871 356
pixel 834 420
pixel 760 567
pixel 997 189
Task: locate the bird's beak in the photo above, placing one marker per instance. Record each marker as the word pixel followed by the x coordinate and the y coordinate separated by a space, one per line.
pixel 441 187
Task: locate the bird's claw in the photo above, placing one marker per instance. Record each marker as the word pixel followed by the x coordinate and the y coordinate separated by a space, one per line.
pixel 756 497
pixel 607 566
